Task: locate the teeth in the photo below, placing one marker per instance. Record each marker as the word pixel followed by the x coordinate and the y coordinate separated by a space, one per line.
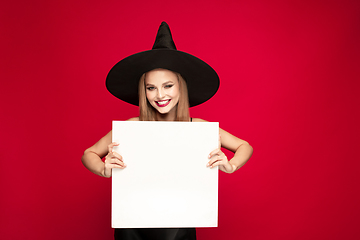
pixel 162 102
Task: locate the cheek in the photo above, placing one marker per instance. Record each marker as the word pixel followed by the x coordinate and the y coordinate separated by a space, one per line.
pixel 148 95
pixel 175 93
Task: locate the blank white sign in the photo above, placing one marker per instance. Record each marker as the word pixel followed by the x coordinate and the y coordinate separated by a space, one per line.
pixel 166 182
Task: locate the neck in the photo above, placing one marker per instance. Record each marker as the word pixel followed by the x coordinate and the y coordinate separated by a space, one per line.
pixel 170 116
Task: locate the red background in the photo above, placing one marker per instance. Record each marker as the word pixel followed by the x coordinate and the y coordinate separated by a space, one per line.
pixel 289 75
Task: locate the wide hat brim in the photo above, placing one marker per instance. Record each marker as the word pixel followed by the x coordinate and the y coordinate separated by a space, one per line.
pixel 201 79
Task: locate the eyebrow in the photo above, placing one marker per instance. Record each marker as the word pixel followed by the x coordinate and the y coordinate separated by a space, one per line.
pixel 165 83
pixel 171 82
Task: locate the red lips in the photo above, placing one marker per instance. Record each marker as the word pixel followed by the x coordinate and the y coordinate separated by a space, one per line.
pixel 163 103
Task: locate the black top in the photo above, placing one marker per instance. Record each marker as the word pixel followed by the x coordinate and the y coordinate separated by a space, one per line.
pixel 155 234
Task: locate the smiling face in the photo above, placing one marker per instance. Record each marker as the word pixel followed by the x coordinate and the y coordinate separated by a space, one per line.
pixel 162 90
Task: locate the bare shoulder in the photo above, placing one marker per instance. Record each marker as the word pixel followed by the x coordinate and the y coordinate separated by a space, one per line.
pixel 134 119
pixel 198 120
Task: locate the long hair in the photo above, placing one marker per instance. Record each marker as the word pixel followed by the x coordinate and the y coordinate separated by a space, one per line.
pixel 148 112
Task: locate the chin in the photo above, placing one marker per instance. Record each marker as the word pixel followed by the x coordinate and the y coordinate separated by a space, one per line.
pixel 165 110
pixel 162 111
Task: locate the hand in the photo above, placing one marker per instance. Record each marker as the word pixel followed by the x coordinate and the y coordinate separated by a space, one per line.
pixel 112 160
pixel 218 158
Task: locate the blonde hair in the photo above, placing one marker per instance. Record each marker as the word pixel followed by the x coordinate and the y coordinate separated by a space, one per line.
pixel 148 112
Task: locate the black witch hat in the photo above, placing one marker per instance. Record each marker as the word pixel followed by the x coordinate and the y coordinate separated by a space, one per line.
pixel 201 79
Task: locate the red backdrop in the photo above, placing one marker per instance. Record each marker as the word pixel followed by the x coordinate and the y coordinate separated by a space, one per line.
pixel 289 75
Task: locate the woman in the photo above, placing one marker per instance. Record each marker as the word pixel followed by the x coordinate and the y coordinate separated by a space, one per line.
pixel 170 82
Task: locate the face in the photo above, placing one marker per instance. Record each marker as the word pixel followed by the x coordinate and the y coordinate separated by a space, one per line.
pixel 162 90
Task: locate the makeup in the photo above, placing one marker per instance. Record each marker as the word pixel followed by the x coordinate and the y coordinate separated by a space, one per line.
pixel 163 103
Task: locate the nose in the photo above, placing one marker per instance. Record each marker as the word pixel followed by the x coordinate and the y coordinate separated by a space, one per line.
pixel 160 93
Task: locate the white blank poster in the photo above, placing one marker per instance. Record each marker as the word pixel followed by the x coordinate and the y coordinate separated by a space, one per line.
pixel 166 182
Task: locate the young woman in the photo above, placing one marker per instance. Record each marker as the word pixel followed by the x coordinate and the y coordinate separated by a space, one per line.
pixel 164 83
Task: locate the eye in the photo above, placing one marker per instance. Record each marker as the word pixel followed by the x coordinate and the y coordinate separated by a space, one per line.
pixel 169 85
pixel 150 88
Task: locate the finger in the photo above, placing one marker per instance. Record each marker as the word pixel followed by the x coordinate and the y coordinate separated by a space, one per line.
pixel 214 164
pixel 118 162
pixel 214 152
pixel 114 163
pixel 111 159
pixel 111 146
pixel 116 156
pixel 118 165
pixel 121 167
pixel 213 160
pixel 217 163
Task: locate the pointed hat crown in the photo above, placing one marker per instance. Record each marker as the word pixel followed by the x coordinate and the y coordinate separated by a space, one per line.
pixel 164 38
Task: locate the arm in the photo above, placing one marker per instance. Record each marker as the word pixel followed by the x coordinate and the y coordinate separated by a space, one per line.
pixel 93 155
pixel 241 149
pixel 103 148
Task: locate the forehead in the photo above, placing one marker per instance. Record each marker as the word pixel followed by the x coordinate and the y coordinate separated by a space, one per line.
pixel 159 76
